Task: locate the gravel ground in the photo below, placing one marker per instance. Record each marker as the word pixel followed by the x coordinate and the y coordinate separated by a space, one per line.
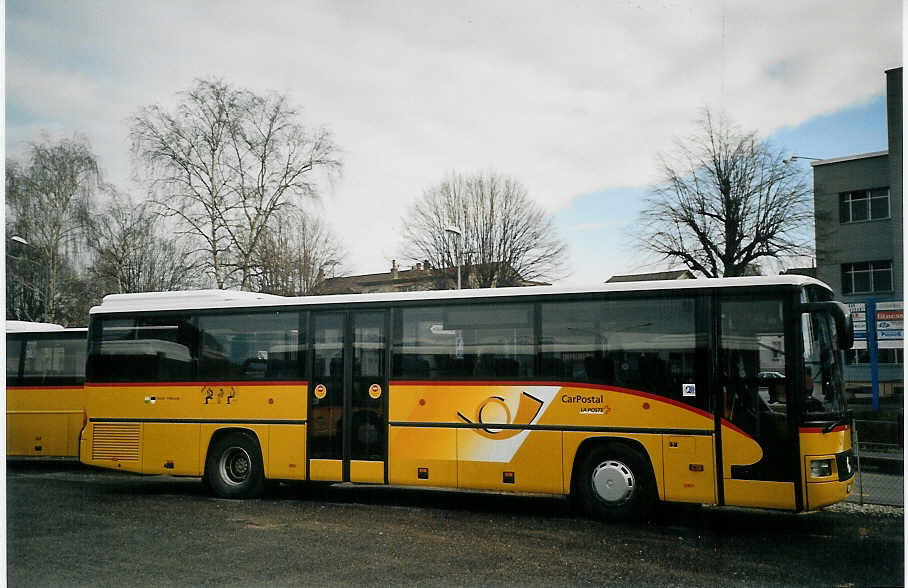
pixel 78 526
pixel 872 510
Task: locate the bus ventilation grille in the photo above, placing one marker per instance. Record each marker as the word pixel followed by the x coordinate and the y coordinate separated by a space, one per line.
pixel 115 442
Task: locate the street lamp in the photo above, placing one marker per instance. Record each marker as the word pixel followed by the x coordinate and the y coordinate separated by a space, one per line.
pixel 18 239
pixel 794 157
pixel 451 229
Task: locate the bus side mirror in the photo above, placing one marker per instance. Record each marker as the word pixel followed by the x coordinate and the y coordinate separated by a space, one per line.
pixel 844 326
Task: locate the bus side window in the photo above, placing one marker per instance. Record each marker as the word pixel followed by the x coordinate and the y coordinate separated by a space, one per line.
pixel 642 343
pixel 250 345
pixel 150 348
pixel 13 360
pixel 477 341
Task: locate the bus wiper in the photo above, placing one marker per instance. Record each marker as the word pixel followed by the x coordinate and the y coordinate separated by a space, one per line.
pixel 842 420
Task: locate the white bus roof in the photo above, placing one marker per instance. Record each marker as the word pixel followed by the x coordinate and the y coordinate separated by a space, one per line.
pixel 31 327
pixel 204 299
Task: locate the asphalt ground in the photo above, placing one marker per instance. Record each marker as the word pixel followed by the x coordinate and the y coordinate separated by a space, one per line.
pixel 69 525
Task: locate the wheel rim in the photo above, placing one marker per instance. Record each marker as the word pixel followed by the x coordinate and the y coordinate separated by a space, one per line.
pixel 613 482
pixel 235 466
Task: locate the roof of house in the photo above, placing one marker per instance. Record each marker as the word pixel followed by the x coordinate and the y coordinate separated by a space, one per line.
pixel 682 274
pixel 415 278
pixel 419 277
pixel 820 162
pixel 800 271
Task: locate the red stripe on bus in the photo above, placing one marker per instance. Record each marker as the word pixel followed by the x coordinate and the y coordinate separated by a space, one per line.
pixel 199 383
pixel 820 429
pixel 604 387
pixel 728 424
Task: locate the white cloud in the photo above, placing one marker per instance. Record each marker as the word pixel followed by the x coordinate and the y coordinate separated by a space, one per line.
pixel 569 99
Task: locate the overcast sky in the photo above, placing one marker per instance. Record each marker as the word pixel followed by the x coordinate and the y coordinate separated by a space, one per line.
pixel 574 99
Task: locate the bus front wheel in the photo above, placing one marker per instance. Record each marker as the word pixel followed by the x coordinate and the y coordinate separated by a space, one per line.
pixel 233 468
pixel 616 484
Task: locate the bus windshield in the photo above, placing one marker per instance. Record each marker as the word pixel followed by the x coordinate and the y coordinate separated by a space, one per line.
pixel 824 385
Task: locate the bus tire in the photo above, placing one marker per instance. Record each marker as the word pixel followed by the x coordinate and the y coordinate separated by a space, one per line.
pixel 616 484
pixel 234 467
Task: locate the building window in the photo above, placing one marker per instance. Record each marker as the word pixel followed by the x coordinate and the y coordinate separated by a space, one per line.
pixel 864 205
pixel 884 356
pixel 866 277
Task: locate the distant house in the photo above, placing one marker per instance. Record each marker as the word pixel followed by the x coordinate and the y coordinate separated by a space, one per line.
pixel 419 277
pixel 669 275
pixel 810 272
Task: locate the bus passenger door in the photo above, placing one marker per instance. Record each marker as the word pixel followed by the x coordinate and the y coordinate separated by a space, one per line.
pixel 348 421
pixel 367 422
pixel 325 446
pixel 759 451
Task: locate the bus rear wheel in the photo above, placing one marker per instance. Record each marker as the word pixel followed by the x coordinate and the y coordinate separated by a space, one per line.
pixel 233 468
pixel 616 484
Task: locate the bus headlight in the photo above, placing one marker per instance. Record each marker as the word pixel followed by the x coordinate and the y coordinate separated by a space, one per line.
pixel 820 468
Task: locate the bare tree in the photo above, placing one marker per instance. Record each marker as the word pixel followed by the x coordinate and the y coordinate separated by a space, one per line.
pixel 49 201
pixel 24 276
pixel 224 163
pixel 507 239
pixel 131 255
pixel 296 255
pixel 729 201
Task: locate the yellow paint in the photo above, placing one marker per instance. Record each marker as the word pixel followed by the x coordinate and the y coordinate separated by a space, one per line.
pixel 819 443
pixel 536 465
pixel 287 452
pixel 173 443
pixel 737 449
pixel 482 454
pixel 759 493
pixel 186 444
pixel 113 445
pixel 369 472
pixel 682 484
pixel 442 403
pixel 472 444
pixel 43 421
pixel 434 448
pixel 326 470
pixel 821 494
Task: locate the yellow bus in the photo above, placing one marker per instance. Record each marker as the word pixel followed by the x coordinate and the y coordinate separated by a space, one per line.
pixel 45 369
pixel 725 391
